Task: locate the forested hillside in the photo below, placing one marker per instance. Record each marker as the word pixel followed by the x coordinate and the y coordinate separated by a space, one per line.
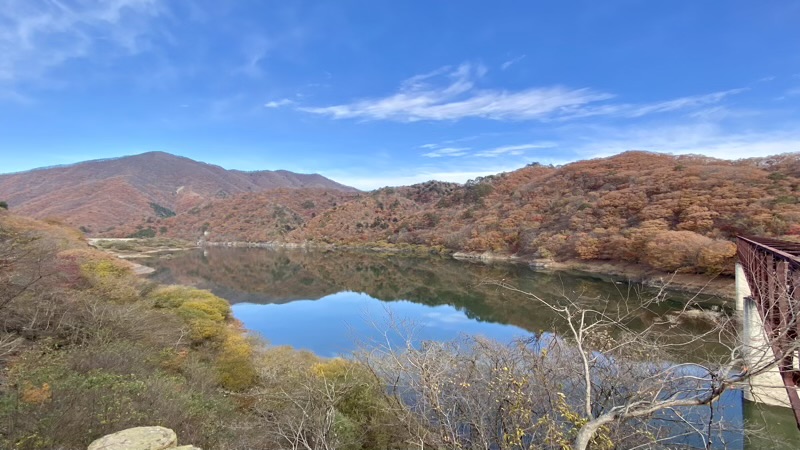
pixel 257 217
pixel 87 348
pixel 669 212
pixel 102 195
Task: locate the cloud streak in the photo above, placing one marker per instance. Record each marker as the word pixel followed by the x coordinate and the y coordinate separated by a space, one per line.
pixel 278 103
pixel 447 151
pixel 453 94
pixel 633 111
pixel 36 36
pixel 514 150
pixel 441 150
pixel 511 62
pixel 420 98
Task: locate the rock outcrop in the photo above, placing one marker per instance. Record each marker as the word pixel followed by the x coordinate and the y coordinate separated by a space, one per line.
pixel 140 438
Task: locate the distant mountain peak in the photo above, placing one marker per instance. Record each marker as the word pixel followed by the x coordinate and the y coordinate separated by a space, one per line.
pixel 105 193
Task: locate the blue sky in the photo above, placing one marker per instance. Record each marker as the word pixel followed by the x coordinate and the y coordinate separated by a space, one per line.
pixel 375 93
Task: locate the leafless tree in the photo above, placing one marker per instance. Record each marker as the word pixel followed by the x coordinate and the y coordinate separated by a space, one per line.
pixel 23 263
pixel 609 377
pixel 306 403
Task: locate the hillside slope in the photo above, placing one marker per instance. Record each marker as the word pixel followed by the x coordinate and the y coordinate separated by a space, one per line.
pixel 98 195
pixel 668 212
pixel 252 217
pixel 87 348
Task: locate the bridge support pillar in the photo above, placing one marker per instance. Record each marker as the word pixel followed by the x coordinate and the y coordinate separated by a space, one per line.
pixel 768 387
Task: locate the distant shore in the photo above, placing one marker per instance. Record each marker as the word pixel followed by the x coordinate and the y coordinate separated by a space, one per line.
pixel 130 249
pixel 134 248
pixel 614 270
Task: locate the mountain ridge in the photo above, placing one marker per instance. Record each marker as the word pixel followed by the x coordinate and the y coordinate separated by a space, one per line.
pixel 659 210
pixel 100 194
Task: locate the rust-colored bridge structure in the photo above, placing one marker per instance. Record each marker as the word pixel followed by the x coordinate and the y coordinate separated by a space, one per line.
pixel 772 270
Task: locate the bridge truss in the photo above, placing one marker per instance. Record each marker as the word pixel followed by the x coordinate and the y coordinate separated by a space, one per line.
pixel 772 269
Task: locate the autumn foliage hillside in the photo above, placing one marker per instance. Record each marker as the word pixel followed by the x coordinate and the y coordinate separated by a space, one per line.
pixel 101 196
pixel 669 212
pixel 252 217
pixel 87 348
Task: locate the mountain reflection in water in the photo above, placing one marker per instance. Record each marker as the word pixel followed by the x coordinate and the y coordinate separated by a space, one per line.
pixel 329 302
pixel 435 293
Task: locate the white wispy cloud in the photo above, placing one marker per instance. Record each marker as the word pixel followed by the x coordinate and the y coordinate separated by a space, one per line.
pixel 37 36
pixel 420 98
pixel 682 103
pixel 447 151
pixel 258 48
pixel 580 141
pixel 255 51
pixel 514 150
pixel 632 111
pixel 278 103
pixel 451 93
pixel 511 62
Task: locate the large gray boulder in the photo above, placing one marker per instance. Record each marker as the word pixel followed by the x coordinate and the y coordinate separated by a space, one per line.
pixel 139 438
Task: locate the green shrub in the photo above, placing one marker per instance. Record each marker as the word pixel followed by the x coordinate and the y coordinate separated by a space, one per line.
pixel 235 369
pixel 475 192
pixel 205 313
pixel 161 211
pixel 103 350
pixel 175 296
pixel 106 276
pixel 56 405
pixel 776 176
pixel 143 233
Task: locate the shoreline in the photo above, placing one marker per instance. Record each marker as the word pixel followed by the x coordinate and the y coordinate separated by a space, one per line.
pixel 720 286
pixel 128 255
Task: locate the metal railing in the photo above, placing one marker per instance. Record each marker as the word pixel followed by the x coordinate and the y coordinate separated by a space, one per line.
pixel 772 269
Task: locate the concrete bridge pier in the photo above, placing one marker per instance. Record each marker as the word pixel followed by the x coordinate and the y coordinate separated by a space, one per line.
pixel 767 388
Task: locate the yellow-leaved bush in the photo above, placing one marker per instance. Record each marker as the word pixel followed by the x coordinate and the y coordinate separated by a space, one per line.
pixel 205 313
pixel 110 277
pixel 235 370
pixel 208 319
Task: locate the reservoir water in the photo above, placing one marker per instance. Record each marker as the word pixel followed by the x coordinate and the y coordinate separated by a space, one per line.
pixel 332 302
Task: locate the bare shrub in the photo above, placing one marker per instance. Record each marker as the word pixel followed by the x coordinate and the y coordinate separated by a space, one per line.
pixel 602 382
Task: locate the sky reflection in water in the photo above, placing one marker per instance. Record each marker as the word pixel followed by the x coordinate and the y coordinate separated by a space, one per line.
pixel 335 324
pixel 329 302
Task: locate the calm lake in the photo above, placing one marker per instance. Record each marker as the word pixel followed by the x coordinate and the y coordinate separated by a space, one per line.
pixel 331 302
